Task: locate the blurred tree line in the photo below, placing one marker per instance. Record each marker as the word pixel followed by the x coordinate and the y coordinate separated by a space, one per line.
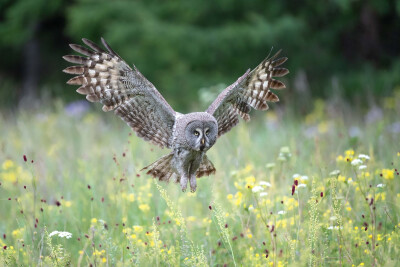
pixel 339 47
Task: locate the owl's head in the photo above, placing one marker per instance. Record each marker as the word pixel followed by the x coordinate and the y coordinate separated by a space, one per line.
pixel 201 134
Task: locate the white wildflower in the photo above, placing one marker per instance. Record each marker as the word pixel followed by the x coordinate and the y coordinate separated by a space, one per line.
pixel 334 228
pixel 67 235
pixel 356 162
pixel 304 177
pixel 296 175
pixel 264 183
pixel 251 207
pixel 263 194
pixel 53 233
pixel 281 212
pixel 301 185
pixel 363 156
pixel 362 167
pixel 257 188
pixel 333 218
pixel 334 173
pixel 380 185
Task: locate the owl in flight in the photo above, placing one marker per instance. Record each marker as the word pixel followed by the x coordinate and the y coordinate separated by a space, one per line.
pixel 105 77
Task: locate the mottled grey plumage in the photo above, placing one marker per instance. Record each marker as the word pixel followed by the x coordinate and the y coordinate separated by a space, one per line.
pixel 104 77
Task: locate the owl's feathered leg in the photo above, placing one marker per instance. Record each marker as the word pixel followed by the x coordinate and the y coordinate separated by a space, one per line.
pixel 184 182
pixel 193 183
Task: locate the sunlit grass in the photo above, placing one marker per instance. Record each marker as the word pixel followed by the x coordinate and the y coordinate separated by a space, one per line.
pixel 318 190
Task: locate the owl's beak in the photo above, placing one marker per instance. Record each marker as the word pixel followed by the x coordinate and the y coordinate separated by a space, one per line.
pixel 202 146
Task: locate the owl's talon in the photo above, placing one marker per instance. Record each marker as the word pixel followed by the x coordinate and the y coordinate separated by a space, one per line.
pixel 193 184
pixel 184 181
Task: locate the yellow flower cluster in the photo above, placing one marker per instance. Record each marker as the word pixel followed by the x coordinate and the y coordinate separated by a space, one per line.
pixel 11 172
pixel 347 157
pixel 388 174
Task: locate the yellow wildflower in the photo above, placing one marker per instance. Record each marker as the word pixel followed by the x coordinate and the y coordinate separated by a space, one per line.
pixel 230 196
pixel 238 198
pixel 10 176
pixel 250 181
pixel 388 174
pixel 144 207
pixel 131 197
pixel 248 168
pixel 94 220
pixel 349 152
pixel 191 219
pixel 8 164
pixel 340 158
pixel 17 233
pixel 137 228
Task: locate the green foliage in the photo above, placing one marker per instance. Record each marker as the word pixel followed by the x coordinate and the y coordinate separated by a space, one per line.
pixel 184 46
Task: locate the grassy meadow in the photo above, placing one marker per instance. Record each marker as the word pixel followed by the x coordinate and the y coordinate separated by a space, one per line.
pixel 290 190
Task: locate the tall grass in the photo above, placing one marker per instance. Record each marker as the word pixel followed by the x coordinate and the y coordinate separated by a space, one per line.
pixel 289 191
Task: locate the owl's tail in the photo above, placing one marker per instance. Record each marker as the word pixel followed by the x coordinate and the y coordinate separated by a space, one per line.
pixel 161 169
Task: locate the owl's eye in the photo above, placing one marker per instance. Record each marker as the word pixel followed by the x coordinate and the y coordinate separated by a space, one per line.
pixel 207 132
pixel 196 133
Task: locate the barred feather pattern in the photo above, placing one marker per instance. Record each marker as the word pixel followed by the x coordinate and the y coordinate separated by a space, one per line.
pixel 252 90
pixel 227 120
pixel 106 78
pixel 206 168
pixel 256 92
pixel 161 169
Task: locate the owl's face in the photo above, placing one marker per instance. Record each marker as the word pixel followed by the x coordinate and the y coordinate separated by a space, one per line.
pixel 201 135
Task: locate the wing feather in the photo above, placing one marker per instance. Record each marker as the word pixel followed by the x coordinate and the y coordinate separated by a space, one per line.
pixel 106 78
pixel 250 91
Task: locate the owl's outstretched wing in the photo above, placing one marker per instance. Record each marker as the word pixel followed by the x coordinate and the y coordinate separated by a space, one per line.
pixel 106 78
pixel 249 91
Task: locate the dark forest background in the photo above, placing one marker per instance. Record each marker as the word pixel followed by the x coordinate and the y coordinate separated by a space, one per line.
pixel 341 48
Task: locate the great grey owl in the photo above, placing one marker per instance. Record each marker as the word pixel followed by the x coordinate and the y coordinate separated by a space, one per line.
pixel 106 78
